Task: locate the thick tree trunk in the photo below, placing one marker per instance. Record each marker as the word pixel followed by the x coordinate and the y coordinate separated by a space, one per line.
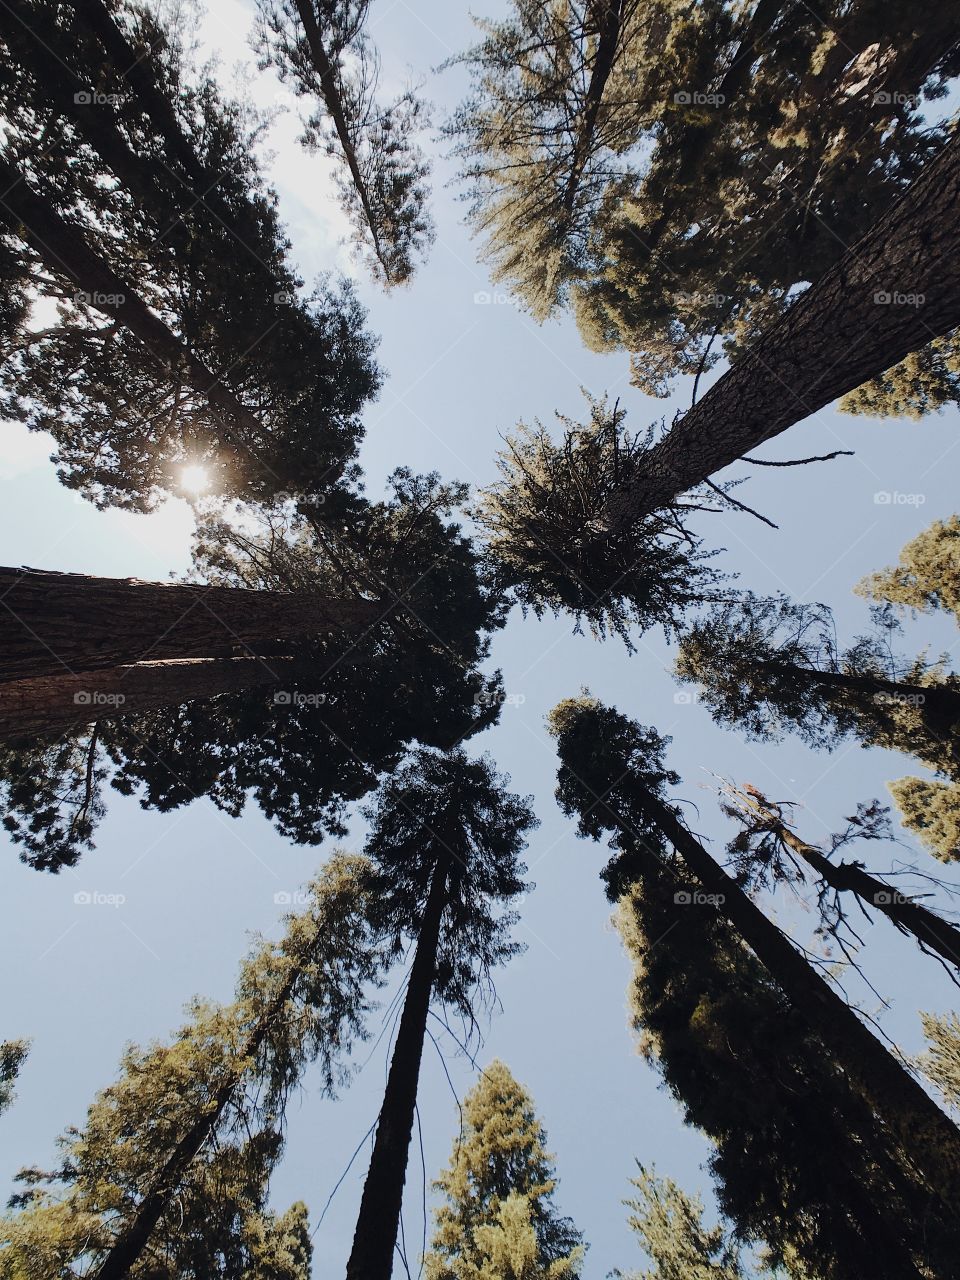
pixel 66 623
pixel 930 1141
pixel 835 337
pixel 375 1238
pixel 134 1237
pixel 333 103
pixel 52 705
pixel 65 251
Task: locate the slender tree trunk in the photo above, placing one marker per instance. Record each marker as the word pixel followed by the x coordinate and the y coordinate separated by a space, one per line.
pixel 375 1238
pixel 942 698
pixel 928 1138
pixel 48 706
pixel 331 98
pixel 927 927
pixel 134 1237
pixel 66 623
pixel 836 336
pixel 66 252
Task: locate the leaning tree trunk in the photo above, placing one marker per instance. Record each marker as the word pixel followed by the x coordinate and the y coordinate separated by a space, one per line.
pixel 930 929
pixel 49 706
pixel 66 252
pixel 929 1140
pixel 839 334
pixel 375 1238
pixel 67 623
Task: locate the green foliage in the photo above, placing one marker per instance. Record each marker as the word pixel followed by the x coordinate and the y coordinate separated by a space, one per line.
pixel 931 810
pixel 212 264
pixel 52 798
pixel 941 1062
pixel 232 1067
pixel 927 575
pixel 802 1164
pixel 437 805
pixel 768 664
pixel 382 173
pixel 547 529
pixel 498 1221
pixel 12 1056
pixel 924 382
pixel 670 1229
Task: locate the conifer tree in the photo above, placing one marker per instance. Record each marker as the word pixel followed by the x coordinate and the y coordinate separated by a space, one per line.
pixel 927 575
pixel 931 810
pixel 321 48
pixel 445 840
pixel 133 207
pixel 12 1055
pixel 941 1062
pixel 171 1168
pixel 498 1220
pixel 720 1020
pixel 926 381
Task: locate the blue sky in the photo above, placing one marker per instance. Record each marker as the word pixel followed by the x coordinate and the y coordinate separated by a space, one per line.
pixel 464 366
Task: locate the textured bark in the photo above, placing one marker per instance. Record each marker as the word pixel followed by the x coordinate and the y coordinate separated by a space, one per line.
pixel 929 1140
pixel 60 623
pixel 52 705
pixel 832 339
pixel 65 251
pixel 134 1237
pixel 371 1257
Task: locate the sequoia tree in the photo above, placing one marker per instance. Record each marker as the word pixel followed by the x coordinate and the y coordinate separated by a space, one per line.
pixel 175 1156
pixel 720 1019
pixel 498 1218
pixel 134 209
pixel 445 840
pixel 931 810
pixel 323 51
pixel 927 575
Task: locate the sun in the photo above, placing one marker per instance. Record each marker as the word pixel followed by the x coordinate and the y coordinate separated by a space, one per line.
pixel 195 479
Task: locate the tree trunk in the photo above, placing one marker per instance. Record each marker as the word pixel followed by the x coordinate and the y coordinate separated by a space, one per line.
pixel 371 1257
pixel 49 706
pixel 66 253
pixel 134 1237
pixel 66 623
pixel 334 105
pixel 835 337
pixel 599 75
pixel 930 1141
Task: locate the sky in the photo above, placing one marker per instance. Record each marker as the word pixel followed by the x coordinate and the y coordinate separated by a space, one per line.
pixel 464 365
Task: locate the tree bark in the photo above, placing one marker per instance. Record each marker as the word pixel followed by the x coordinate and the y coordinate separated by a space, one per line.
pixel 930 1141
pixel 371 1257
pixel 49 706
pixel 66 252
pixel 835 337
pixel 66 623
pixel 599 75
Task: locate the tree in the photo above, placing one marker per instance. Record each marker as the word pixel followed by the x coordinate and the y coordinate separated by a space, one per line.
pixel 549 498
pixel 926 381
pixel 792 369
pixel 931 810
pixel 498 1218
pixel 941 1062
pixel 764 664
pixel 720 1020
pixel 12 1056
pixel 766 850
pixel 175 1157
pixel 670 1229
pixel 445 839
pixel 320 47
pixel 168 347
pixel 927 575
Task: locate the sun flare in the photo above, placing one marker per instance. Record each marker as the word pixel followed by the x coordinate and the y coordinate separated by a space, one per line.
pixel 195 479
